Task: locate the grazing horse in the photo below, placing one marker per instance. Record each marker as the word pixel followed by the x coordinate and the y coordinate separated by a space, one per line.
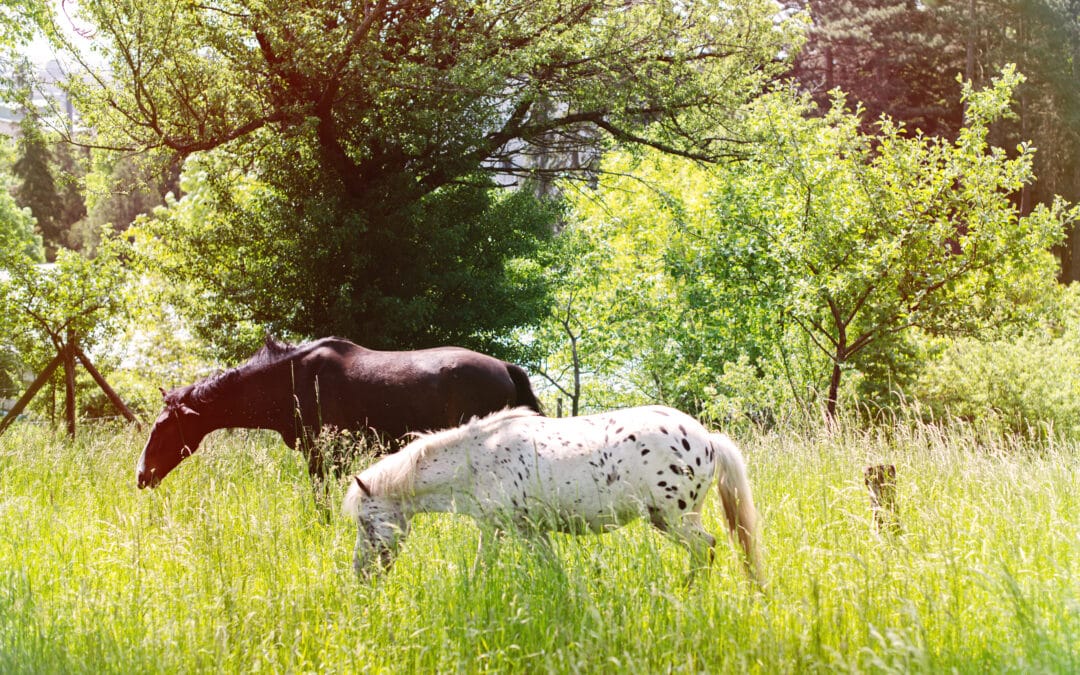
pixel 298 390
pixel 574 474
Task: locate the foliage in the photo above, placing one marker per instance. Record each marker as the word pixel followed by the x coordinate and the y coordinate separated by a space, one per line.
pixel 348 130
pixel 229 567
pixel 645 331
pixel 246 259
pixel 19 245
pixel 421 89
pixel 1028 384
pixel 43 307
pixel 875 235
pixel 852 239
pixel 19 19
pixel 119 189
pixel 902 58
pixel 17 236
pixel 37 189
pixel 893 57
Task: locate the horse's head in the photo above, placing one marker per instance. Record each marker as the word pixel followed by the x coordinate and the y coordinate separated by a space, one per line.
pixel 381 526
pixel 175 435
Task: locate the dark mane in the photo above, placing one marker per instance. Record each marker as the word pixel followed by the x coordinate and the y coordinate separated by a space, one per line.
pixel 204 390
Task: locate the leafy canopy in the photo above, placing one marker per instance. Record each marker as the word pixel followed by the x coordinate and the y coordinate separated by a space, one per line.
pixel 851 237
pixel 342 152
pixel 400 97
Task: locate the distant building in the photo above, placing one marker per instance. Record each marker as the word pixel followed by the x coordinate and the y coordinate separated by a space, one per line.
pixel 48 97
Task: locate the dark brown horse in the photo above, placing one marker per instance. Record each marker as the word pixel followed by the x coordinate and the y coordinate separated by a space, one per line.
pixel 296 391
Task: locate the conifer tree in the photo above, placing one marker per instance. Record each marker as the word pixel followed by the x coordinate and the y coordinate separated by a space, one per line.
pixel 36 188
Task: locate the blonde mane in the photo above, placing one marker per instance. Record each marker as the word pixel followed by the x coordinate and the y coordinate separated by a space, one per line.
pixel 393 476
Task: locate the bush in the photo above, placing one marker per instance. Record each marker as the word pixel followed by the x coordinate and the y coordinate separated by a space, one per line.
pixel 1030 384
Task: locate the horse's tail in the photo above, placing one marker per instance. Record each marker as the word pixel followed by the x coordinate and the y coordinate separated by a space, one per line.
pixel 525 395
pixel 734 489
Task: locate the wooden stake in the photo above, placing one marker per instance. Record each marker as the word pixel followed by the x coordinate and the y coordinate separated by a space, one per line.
pixel 109 391
pixel 36 386
pixel 881 483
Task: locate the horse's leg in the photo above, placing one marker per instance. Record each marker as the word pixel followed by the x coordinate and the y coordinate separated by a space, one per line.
pixel 691 534
pixel 320 482
pixel 700 543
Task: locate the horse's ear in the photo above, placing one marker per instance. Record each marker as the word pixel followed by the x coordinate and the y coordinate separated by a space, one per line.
pixel 187 410
pixel 164 394
pixel 363 488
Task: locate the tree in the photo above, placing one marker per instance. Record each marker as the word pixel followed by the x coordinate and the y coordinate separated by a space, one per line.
pixel 853 239
pixel 360 121
pixel 643 314
pixel 119 190
pixel 897 57
pixel 901 57
pixel 19 19
pixel 18 241
pixel 54 314
pixel 879 234
pixel 17 236
pixel 453 270
pixel 36 189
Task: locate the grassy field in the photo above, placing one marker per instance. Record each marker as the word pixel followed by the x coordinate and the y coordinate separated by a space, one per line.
pixel 229 567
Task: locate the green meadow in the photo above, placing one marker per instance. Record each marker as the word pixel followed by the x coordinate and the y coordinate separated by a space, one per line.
pixel 229 566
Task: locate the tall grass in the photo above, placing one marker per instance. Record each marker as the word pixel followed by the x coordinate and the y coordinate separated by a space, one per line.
pixel 229 566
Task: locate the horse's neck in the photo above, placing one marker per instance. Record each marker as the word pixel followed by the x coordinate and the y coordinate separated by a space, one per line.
pixel 248 401
pixel 444 485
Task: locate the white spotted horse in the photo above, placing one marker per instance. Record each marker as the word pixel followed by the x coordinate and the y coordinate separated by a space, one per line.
pixel 575 474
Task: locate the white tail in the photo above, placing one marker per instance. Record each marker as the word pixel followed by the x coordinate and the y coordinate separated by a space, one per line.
pixel 734 488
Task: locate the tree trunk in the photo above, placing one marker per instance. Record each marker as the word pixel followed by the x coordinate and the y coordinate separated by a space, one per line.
pixel 69 384
pixel 834 390
pixel 972 37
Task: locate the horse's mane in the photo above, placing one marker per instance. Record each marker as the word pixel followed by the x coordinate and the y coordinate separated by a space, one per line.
pixel 393 475
pixel 205 390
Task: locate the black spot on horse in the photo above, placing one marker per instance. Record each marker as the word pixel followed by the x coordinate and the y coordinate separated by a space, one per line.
pixel 631 437
pixel 644 451
pixel 685 444
pixel 662 483
pixel 682 504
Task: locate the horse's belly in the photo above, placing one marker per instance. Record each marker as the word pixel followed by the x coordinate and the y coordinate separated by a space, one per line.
pixel 598 507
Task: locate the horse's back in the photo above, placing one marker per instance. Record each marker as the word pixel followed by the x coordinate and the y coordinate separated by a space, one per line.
pixel 603 468
pixel 396 392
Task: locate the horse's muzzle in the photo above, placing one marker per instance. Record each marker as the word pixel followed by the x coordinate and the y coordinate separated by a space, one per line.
pixel 146 479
